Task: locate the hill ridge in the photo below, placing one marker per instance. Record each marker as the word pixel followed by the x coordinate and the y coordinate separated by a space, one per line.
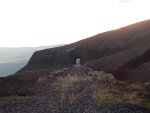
pixel 122 45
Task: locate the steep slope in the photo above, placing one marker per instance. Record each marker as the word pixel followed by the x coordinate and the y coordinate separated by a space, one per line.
pixel 13 59
pixel 119 50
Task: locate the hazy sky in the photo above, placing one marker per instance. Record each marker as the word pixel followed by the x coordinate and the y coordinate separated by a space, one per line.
pixel 50 22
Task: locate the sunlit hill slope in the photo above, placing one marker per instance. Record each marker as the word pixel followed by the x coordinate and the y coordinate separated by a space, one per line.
pixel 124 52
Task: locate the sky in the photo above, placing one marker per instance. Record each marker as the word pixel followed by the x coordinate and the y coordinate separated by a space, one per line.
pixel 29 23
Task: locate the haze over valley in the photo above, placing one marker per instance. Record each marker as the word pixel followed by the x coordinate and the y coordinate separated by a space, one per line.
pixel 13 59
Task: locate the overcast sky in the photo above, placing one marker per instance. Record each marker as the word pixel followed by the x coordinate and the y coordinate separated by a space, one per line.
pixel 50 22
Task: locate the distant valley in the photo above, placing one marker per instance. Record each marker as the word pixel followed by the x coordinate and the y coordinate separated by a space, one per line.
pixel 13 59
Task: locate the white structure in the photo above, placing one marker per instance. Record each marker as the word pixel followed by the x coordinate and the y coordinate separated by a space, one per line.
pixel 78 61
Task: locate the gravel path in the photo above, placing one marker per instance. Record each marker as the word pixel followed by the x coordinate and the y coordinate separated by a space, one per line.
pixel 49 100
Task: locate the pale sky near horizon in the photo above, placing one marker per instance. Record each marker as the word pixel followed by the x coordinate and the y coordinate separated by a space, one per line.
pixel 26 23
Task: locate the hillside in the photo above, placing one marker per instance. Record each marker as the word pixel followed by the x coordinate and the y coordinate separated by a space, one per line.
pixel 123 52
pixel 52 83
pixel 71 90
pixel 13 59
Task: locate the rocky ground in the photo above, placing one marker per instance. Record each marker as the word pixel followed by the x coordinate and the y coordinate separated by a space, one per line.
pixel 76 90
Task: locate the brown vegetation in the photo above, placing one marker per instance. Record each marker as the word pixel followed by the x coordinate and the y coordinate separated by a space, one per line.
pixel 74 90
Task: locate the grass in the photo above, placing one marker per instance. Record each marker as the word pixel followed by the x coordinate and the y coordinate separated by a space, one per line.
pixel 121 92
pixel 95 88
pixel 14 98
pixel 145 103
pixel 65 82
pixel 115 96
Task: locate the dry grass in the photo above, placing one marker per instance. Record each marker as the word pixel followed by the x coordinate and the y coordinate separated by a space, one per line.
pixel 69 80
pixel 119 92
pixel 15 98
pixel 136 86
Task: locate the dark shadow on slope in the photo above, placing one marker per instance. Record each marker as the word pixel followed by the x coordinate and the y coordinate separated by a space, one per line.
pixel 137 61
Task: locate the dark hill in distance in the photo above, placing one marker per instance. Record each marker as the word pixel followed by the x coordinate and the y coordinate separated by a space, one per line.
pixel 124 52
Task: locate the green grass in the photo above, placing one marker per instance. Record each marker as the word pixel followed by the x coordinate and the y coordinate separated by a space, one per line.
pixel 111 96
pixel 145 103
